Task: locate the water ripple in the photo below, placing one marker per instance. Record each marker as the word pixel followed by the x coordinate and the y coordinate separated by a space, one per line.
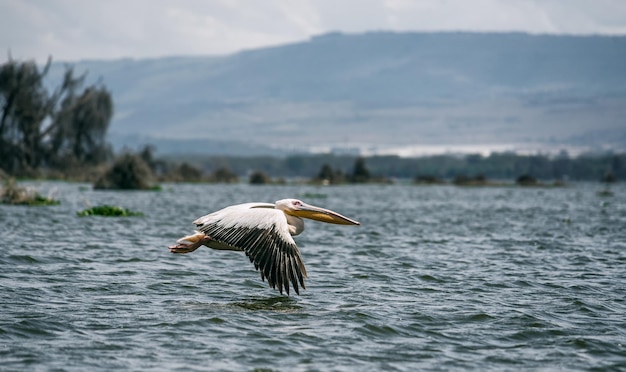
pixel 436 278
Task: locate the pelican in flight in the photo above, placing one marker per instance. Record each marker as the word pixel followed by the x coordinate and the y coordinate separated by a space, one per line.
pixel 264 232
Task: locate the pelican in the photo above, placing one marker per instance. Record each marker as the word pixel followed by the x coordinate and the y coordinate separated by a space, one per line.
pixel 263 231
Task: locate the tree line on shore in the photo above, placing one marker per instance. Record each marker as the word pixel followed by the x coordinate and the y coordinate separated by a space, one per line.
pixel 497 166
pixel 61 134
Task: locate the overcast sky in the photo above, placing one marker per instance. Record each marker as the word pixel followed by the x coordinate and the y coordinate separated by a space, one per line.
pixel 72 30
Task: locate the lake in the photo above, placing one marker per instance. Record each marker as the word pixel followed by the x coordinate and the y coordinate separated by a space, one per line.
pixel 435 278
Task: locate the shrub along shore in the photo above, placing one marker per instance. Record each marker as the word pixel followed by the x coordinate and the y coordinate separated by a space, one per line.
pixel 142 170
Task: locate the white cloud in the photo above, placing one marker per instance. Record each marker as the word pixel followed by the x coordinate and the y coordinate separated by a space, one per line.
pixel 76 29
pixel 301 15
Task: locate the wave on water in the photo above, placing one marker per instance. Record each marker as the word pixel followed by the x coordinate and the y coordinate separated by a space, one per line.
pixel 437 277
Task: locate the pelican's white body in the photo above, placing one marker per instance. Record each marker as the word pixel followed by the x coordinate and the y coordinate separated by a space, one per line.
pixel 262 216
pixel 264 232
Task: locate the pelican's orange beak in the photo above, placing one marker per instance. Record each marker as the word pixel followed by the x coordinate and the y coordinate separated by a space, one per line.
pixel 321 214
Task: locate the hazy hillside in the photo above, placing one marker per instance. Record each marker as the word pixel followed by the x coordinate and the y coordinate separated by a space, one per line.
pixel 379 90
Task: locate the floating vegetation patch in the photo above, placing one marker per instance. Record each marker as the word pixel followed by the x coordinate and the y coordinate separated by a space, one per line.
pixel 13 194
pixel 108 211
pixel 605 193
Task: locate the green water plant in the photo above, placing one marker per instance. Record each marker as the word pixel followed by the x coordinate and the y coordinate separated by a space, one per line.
pixel 108 211
pixel 608 179
pixel 12 193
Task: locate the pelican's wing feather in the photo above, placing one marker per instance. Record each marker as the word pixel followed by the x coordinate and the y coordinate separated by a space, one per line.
pixel 262 233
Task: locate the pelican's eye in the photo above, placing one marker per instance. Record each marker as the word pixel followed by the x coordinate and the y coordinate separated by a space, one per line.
pixel 297 203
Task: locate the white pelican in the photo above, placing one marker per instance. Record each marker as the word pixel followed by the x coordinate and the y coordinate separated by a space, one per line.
pixel 264 232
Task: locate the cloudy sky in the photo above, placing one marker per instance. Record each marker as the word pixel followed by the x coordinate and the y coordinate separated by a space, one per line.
pixel 72 30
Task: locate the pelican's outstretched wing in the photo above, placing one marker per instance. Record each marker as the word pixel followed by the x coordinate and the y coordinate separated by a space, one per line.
pixel 262 233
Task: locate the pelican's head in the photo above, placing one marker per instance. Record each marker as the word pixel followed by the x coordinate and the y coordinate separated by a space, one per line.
pixel 298 208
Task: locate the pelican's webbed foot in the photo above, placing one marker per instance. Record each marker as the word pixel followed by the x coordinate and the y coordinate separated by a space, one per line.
pixel 189 243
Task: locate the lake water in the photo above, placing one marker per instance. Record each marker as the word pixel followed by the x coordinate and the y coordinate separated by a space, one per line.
pixel 435 278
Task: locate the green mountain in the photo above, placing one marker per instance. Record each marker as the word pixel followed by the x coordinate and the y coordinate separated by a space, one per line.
pixel 376 91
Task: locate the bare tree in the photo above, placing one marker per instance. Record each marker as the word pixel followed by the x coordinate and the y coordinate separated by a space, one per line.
pixel 25 106
pixel 61 129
